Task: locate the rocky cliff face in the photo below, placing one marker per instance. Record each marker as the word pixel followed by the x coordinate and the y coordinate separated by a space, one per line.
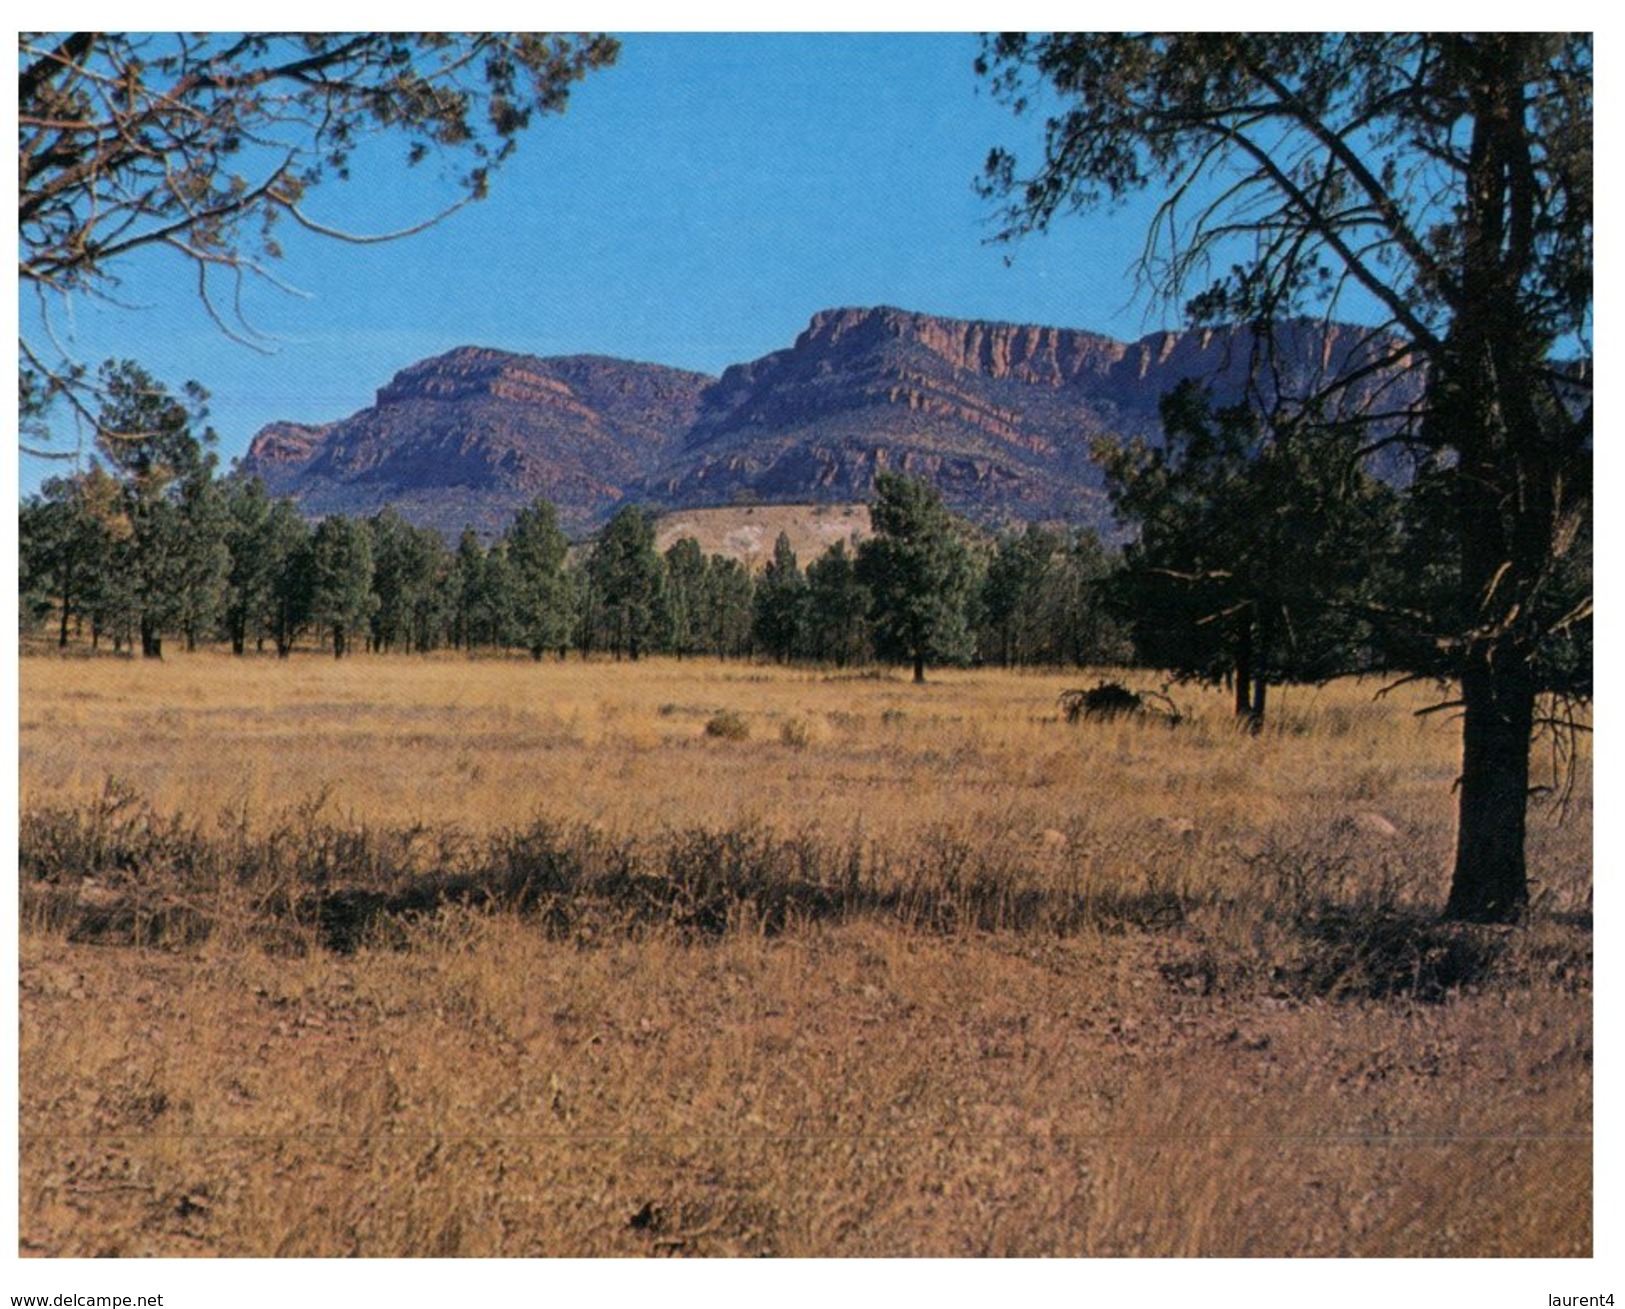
pixel 1001 416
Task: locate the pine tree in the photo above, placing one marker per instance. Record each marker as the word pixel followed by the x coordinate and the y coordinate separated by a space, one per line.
pixel 291 562
pixel 686 597
pixel 1447 177
pixel 838 607
pixel 781 603
pixel 341 580
pixel 536 550
pixel 1017 593
pixel 628 581
pixel 173 553
pixel 729 607
pixel 1258 550
pixel 919 571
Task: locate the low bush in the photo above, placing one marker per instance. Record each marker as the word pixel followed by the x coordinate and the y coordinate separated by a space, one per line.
pixel 728 725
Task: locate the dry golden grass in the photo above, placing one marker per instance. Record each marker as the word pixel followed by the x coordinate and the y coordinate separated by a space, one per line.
pixel 1291 1060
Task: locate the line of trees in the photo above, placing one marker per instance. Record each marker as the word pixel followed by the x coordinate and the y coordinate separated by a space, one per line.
pixel 1262 553
pixel 152 546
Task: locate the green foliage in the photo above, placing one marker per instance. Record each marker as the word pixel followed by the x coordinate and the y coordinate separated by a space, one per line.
pixel 250 578
pixel 838 607
pixel 1015 594
pixel 781 604
pixel 65 547
pixel 167 566
pixel 1344 152
pixel 1043 601
pixel 541 608
pixel 342 599
pixel 627 580
pixel 686 597
pixel 411 566
pixel 483 594
pixel 728 607
pixel 1447 176
pixel 292 563
pixel 919 572
pixel 1259 550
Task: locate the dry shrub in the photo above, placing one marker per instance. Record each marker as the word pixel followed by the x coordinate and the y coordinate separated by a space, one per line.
pixel 728 725
pixel 1311 920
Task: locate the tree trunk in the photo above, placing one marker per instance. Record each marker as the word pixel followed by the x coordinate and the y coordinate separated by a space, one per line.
pixel 1258 650
pixel 1506 492
pixel 152 643
pixel 1490 883
pixel 919 667
pixel 67 605
pixel 1244 663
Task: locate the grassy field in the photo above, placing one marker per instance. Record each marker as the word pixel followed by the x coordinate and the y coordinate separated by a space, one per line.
pixel 439 956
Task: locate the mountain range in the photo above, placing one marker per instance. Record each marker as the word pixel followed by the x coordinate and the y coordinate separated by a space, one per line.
pixel 1000 416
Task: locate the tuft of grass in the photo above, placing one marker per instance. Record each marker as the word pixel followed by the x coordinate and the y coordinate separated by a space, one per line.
pixel 728 725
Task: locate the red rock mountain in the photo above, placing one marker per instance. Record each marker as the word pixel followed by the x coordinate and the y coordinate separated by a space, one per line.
pixel 468 437
pixel 1000 416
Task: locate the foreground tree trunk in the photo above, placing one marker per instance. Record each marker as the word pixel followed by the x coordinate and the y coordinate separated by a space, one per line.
pixel 1515 470
pixel 1490 883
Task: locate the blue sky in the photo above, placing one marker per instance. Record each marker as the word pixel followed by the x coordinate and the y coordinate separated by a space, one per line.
pixel 695 206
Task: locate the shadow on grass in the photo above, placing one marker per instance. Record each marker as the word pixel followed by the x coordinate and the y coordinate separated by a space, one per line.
pixel 117 871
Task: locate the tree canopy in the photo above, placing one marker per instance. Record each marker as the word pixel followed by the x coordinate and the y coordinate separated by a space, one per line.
pixel 1301 164
pixel 1258 551
pixel 204 143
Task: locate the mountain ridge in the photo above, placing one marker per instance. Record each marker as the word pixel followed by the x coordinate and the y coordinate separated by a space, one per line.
pixel 1001 416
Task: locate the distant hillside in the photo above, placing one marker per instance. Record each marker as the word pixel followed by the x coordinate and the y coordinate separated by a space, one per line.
pixel 748 532
pixel 999 416
pixel 468 437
